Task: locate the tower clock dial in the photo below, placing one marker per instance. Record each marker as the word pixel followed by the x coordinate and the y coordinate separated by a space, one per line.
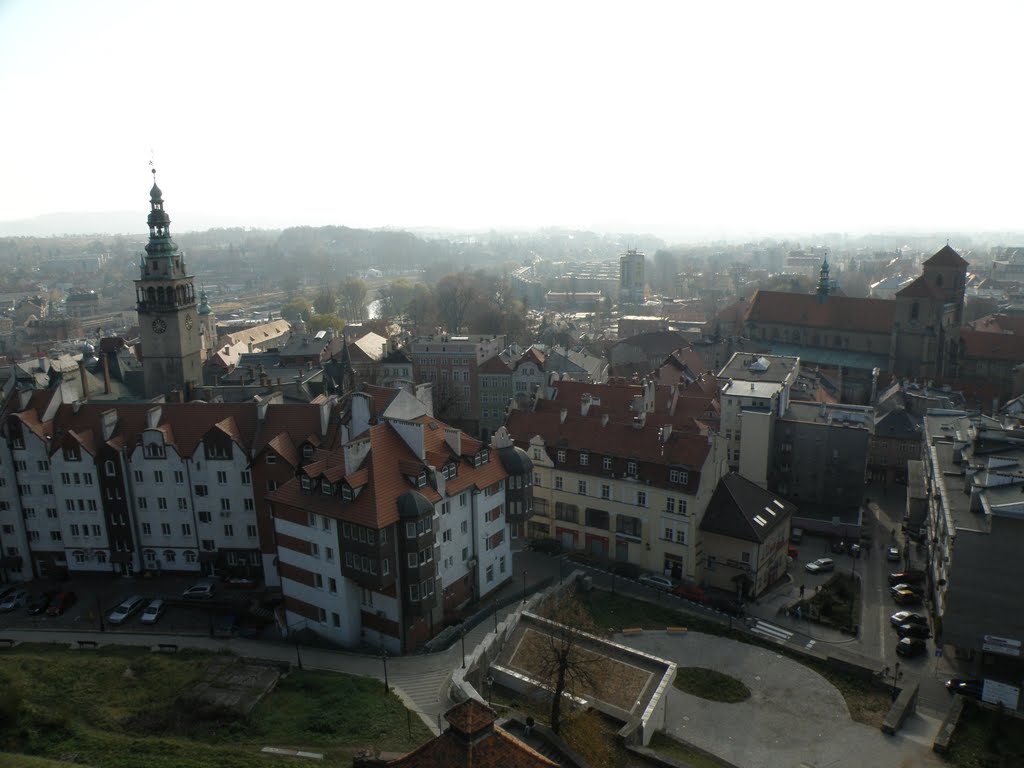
pixel 159 325
pixel 188 322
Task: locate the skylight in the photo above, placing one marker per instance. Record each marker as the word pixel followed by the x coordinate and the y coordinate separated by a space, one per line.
pixel 778 503
pixel 770 511
pixel 760 520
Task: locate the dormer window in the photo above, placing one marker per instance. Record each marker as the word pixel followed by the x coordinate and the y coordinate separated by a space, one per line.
pixel 421 479
pixel 346 493
pixel 307 484
pixel 450 470
pixel 154 451
pixel 307 451
pixel 326 488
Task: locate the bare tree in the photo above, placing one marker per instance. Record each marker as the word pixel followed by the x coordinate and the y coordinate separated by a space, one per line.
pixel 565 663
pixel 455 292
pixel 352 298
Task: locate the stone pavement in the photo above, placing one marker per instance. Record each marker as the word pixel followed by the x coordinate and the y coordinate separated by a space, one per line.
pixel 794 716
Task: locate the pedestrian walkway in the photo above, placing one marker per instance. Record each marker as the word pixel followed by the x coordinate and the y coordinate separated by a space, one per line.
pixel 764 629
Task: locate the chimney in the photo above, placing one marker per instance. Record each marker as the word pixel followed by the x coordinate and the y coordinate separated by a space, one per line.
pixel 42 365
pixel 604 419
pixel 106 373
pixel 666 433
pixel 562 415
pixel 585 401
pixel 84 378
pixel 109 419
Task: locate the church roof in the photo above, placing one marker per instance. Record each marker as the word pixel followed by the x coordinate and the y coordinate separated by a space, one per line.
pixel 920 289
pixel 946 257
pixel 841 313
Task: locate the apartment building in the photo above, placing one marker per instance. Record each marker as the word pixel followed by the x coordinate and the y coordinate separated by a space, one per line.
pixel 451 364
pixel 623 471
pixel 383 537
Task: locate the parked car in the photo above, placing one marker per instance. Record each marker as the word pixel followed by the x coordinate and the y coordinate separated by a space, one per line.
pixel 893 554
pixel 729 605
pixel 120 614
pixel 907 577
pixel 914 630
pixel 657 581
pixel 906 588
pixel 911 646
pixel 907 617
pixel 821 565
pixel 61 602
pixel 39 603
pixel 7 589
pixel 965 686
pixel 796 535
pixel 153 611
pixel 906 597
pixel 793 552
pixel 691 592
pixel 14 599
pixel 839 547
pixel 201 590
pixel 854 550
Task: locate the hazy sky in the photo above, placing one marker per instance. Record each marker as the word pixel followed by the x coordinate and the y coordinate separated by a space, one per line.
pixel 672 117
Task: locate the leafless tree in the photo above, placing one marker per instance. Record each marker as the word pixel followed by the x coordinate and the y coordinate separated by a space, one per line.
pixel 564 662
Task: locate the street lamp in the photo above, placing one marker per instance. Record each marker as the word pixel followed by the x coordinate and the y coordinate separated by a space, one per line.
pixel 495 616
pixel 384 658
pixel 490 689
pixel 524 585
pixel 896 675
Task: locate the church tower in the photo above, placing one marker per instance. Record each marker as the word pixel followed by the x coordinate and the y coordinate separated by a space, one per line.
pixel 207 326
pixel 166 304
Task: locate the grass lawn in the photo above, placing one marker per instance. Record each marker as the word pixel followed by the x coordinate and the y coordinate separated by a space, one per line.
pixel 867 702
pixel 682 753
pixel 121 707
pixel 711 685
pixel 24 761
pixel 985 738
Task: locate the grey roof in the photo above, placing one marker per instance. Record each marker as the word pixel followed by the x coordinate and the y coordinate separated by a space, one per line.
pixel 515 460
pixel 414 504
pixel 748 366
pixel 744 510
pixel 898 425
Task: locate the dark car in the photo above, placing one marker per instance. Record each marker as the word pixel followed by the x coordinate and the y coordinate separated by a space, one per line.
pixel 60 603
pixel 39 603
pixel 965 686
pixel 691 592
pixel 728 605
pixel 920 631
pixel 911 646
pixel 907 577
pixel 839 547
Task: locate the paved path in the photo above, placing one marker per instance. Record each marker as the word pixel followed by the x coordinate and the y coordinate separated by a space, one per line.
pixel 794 716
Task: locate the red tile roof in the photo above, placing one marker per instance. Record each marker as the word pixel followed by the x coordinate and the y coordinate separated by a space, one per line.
pixel 999 324
pixel 473 741
pixel 978 345
pixel 495 365
pixel 920 288
pixel 836 313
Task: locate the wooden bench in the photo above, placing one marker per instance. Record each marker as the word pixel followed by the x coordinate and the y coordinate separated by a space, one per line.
pixel 90 644
pixel 7 642
pixel 165 648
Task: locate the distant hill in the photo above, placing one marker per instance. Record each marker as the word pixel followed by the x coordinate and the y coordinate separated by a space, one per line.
pixel 121 222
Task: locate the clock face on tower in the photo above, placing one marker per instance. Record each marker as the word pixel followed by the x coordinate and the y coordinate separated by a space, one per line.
pixel 159 325
pixel 188 322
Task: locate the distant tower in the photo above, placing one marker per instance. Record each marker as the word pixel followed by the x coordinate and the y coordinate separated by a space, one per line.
pixel 631 278
pixel 207 325
pixel 823 282
pixel 167 308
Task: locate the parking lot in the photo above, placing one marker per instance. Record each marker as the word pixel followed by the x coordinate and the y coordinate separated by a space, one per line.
pixel 97 597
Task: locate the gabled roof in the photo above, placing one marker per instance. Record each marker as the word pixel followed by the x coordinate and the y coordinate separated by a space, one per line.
pixel 920 288
pixel 473 740
pixel 840 313
pixel 495 365
pixel 978 345
pixel 946 257
pixel 744 510
pixel 897 425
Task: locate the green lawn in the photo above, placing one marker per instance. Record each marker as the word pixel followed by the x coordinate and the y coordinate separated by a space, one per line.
pixel 711 685
pixel 116 708
pixel 985 738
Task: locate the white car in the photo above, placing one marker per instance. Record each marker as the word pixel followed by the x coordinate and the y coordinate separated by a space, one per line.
pixel 13 600
pixel 821 565
pixel 153 611
pixel 657 581
pixel 202 590
pixel 120 614
pixel 893 554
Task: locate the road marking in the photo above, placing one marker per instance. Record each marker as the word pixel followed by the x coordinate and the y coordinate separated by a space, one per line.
pixel 771 631
pixel 809 645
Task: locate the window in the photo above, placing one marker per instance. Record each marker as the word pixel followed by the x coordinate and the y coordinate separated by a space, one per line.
pixel 410 530
pixel 73 528
pixel 318 580
pixel 165 529
pixel 678 476
pixel 186 529
pixel 446 507
pixel 501 564
pixel 558 482
pixel 24 489
pixel 249 505
pixel 161 503
pixel 246 478
pixel 745 557
pixel 225 505
pixel 446 535
pixel 33 535
pixel 271 485
pixel 322 615
pixel 92 505
pixel 641 498
pixel 328 554
pixel 631 468
pixel 21 466
pixel 208 545
pixel 464 528
pixel 137 474
pixel 332 586
pixel 143 503
pixel 29 512
pixel 179 477
pixel 201 490
pixel 43 465
pixel 222 478
pixel 147 528
pixel 680 536
pixel 250 531
pixel 158 476
pixel 581 487
pixel 490 573
pixel 69 504
pixel 229 529
pixel 606 492
pixel 561 455
pixel 182 503
pixel 536 478
pixel 271 458
pixel 584 459
pixel 336 620
pixel 87 478
pixel 153 451
pixel 462 499
pixel 204 516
